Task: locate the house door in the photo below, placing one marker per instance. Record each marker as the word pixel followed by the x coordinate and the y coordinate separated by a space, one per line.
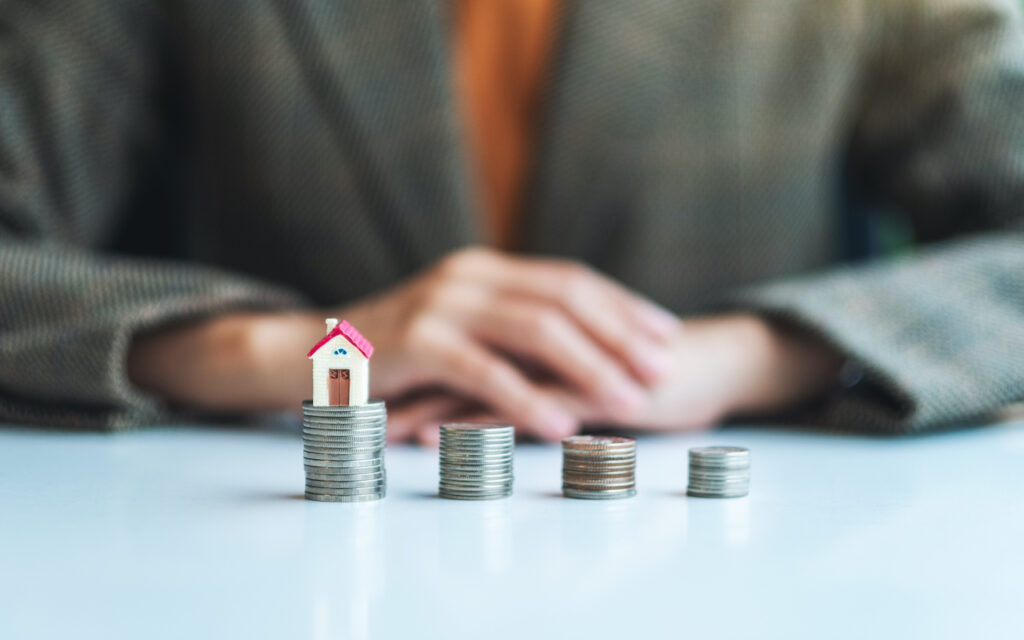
pixel 337 387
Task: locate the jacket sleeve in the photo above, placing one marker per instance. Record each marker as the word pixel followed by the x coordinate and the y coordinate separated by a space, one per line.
pixel 935 337
pixel 76 86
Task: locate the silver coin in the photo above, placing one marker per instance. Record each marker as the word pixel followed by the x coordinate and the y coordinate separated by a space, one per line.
pixel 505 443
pixel 339 474
pixel 484 436
pixel 478 442
pixel 584 486
pixel 598 465
pixel 598 486
pixel 342 438
pixel 600 443
pixel 380 477
pixel 475 484
pixel 345 457
pixel 322 497
pixel 478 471
pixel 337 468
pixel 449 491
pixel 483 495
pixel 476 427
pixel 374 414
pixel 372 402
pixel 336 464
pixel 460 495
pixel 488 448
pixel 333 424
pixel 361 427
pixel 358 426
pixel 344 487
pixel 333 447
pixel 355 491
pixel 610 473
pixel 599 495
pixel 328 462
pixel 317 432
pixel 718 477
pixel 368 422
pixel 719 481
pixel 590 458
pixel 336 452
pixel 456 454
pixel 344 410
pixel 338 443
pixel 487 461
pixel 485 475
pixel 483 455
pixel 342 443
pixel 696 494
pixel 358 465
pixel 717 454
pixel 365 423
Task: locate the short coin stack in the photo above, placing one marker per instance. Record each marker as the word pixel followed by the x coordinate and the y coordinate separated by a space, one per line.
pixel 719 472
pixel 476 461
pixel 598 467
pixel 343 452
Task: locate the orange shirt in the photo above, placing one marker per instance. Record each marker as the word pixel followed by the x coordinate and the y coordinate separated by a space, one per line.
pixel 502 49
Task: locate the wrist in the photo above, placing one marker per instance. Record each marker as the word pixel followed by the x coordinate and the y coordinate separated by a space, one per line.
pixel 233 362
pixel 780 365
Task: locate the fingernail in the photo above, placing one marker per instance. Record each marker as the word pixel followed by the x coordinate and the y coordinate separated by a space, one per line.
pixel 557 422
pixel 655 363
pixel 430 436
pixel 625 396
pixel 661 321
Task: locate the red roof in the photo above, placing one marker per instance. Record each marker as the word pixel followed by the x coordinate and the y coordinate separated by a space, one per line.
pixel 350 333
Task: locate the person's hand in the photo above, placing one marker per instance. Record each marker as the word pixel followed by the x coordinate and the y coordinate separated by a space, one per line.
pixel 725 366
pixel 516 336
pixel 728 366
pixel 519 337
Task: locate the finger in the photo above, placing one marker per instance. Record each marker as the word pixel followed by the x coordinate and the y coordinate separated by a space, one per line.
pixel 432 436
pixel 630 327
pixel 429 435
pixel 546 336
pixel 472 370
pixel 407 419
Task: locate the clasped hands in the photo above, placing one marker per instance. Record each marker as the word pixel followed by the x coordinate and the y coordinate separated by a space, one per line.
pixel 546 345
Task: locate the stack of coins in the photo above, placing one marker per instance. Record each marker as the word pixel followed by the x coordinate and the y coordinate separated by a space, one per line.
pixel 343 451
pixel 598 467
pixel 476 461
pixel 719 472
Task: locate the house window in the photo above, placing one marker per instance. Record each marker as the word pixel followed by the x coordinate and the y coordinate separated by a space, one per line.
pixel 340 352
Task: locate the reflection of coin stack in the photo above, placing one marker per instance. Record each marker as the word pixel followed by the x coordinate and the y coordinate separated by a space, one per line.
pixel 476 461
pixel 719 472
pixel 343 450
pixel 598 467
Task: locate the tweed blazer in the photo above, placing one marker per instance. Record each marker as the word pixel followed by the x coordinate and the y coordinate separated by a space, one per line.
pixel 163 161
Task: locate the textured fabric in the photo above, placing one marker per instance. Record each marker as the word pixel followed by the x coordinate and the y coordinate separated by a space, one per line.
pixel 502 53
pixel 161 161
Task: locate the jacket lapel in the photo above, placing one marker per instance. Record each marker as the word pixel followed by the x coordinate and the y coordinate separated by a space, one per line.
pixel 597 125
pixel 382 69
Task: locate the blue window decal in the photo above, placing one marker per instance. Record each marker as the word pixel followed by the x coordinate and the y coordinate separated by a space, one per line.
pixel 340 352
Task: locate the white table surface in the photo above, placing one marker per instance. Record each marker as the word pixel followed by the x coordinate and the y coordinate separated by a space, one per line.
pixel 194 532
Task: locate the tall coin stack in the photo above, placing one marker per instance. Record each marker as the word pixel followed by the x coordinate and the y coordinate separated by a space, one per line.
pixel 476 461
pixel 719 472
pixel 598 467
pixel 343 451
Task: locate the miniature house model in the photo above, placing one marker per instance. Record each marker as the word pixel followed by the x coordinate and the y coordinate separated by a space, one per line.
pixel 341 366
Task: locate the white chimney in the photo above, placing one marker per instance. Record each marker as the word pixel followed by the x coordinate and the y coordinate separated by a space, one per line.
pixel 331 323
